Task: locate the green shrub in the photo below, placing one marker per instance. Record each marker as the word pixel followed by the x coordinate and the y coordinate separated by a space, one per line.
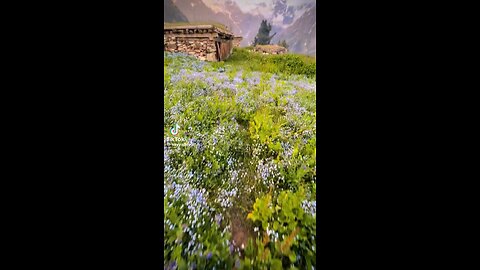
pixel 193 240
pixel 285 230
pixel 288 64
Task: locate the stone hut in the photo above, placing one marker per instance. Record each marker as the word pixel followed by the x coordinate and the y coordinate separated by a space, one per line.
pixel 270 49
pixel 206 42
pixel 236 41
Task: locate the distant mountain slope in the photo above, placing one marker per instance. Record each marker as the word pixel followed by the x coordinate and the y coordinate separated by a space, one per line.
pixel 285 13
pixel 246 23
pixel 225 12
pixel 291 21
pixel 171 12
pixel 195 10
pixel 301 36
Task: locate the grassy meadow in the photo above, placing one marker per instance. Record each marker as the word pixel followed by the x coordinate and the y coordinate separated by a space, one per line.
pixel 239 156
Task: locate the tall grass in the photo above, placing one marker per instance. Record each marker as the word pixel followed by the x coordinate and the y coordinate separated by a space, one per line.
pixel 283 64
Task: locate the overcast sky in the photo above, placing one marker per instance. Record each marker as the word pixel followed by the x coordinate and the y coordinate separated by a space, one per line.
pixel 264 6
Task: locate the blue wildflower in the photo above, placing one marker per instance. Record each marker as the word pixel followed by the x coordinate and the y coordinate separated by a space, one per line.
pixel 218 219
pixel 172 265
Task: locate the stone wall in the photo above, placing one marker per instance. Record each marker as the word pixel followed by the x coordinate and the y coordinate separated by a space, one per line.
pixel 202 48
pixel 236 41
pixel 206 42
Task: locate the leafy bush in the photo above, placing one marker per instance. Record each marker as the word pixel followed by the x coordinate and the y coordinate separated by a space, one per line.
pixel 288 64
pixel 286 234
pixel 193 237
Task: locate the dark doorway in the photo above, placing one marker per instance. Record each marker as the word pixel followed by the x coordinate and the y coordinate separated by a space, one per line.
pixel 217 50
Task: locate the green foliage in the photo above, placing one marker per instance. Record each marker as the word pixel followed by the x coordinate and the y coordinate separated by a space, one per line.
pixel 262 211
pixel 294 64
pixel 288 64
pixel 283 43
pixel 177 238
pixel 286 231
pixel 301 167
pixel 263 37
pixel 263 127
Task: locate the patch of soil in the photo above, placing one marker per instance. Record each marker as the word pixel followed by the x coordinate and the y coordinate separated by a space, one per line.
pixel 241 229
pixel 243 124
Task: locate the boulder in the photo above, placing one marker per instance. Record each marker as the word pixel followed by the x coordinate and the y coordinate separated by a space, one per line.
pixel 211 57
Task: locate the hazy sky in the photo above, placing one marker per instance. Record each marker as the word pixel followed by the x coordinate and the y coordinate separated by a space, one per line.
pixel 264 6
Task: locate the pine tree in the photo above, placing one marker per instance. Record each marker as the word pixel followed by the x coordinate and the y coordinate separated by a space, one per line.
pixel 283 43
pixel 263 37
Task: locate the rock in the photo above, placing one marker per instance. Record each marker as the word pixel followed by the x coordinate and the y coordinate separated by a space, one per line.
pixel 211 57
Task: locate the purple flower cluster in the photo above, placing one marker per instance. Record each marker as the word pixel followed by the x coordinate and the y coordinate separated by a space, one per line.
pixel 310 207
pixel 196 213
pixel 268 172
pixel 294 107
pixel 218 219
pixel 287 150
pixel 175 55
pixel 253 81
pixel 177 77
pixel 237 80
pixel 305 85
pixel 226 198
pixel 171 266
pixel 273 81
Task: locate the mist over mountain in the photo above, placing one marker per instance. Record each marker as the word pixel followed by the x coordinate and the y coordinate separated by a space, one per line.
pixel 171 12
pixel 225 12
pixel 243 18
pixel 285 13
pixel 301 36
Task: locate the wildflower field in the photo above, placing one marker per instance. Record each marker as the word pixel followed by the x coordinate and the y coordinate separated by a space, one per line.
pixel 239 156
